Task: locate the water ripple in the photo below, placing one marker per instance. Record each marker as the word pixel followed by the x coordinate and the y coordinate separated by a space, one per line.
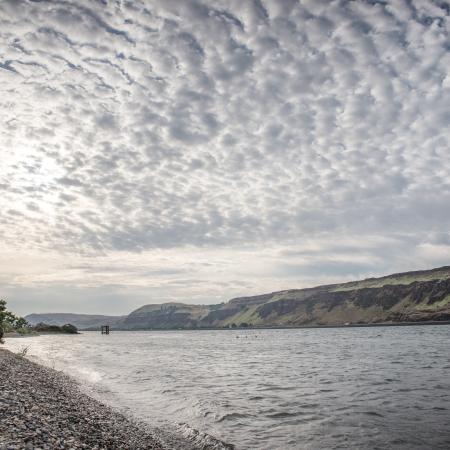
pixel 286 389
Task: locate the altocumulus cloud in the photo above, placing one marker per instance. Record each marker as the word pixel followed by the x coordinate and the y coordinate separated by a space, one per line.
pixel 201 149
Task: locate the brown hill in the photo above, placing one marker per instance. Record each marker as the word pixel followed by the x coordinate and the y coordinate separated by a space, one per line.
pixel 404 297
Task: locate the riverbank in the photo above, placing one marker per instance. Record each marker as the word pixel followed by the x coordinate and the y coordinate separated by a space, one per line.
pixel 13 335
pixel 43 408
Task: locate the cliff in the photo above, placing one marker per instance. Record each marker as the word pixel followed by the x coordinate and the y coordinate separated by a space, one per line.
pixel 404 297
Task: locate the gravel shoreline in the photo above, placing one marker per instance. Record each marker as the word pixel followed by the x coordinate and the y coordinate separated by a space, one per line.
pixel 41 408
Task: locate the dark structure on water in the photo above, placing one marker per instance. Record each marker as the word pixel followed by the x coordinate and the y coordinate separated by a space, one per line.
pixel 105 329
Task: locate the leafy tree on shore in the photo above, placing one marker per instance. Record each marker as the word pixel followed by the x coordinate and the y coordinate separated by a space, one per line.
pixel 8 320
pixel 20 322
pixel 2 317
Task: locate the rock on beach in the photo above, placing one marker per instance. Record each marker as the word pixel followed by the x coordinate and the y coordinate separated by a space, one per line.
pixel 41 408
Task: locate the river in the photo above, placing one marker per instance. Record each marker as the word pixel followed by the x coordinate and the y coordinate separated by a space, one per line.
pixel 355 388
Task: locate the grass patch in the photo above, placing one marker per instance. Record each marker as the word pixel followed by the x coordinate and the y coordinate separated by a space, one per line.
pixel 435 306
pixel 389 281
pixel 244 316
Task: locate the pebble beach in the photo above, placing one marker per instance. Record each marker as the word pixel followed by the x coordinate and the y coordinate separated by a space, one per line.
pixel 41 408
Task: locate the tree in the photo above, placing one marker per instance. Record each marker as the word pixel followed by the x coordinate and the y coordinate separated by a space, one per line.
pixel 8 318
pixel 3 315
pixel 20 323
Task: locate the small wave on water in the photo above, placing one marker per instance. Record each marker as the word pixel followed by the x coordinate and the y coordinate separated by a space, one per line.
pixel 92 376
pixel 184 437
pixel 285 414
pixel 232 417
pixel 203 441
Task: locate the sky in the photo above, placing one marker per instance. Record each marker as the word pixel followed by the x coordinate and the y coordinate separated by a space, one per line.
pixel 195 151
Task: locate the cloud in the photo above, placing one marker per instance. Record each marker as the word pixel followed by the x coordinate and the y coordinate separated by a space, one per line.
pixel 162 125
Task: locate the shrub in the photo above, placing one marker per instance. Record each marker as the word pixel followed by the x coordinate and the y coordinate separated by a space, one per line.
pixel 45 328
pixel 69 328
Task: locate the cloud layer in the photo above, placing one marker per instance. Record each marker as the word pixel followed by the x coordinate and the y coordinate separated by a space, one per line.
pixel 225 127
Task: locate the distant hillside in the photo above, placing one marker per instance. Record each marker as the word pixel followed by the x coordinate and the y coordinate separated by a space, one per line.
pixel 81 321
pixel 404 297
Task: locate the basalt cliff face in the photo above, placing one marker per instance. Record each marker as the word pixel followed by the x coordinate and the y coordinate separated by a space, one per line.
pixel 406 297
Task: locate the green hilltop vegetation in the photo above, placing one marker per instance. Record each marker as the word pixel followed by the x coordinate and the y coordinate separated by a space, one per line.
pixel 421 296
pixel 441 273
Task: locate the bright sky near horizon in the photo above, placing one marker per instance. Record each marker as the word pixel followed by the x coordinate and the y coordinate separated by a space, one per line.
pixel 193 151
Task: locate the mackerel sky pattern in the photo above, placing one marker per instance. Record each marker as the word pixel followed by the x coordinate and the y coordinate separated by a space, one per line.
pixel 196 150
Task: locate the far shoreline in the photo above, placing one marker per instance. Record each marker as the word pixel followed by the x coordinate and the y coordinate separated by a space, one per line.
pixel 285 327
pixel 10 335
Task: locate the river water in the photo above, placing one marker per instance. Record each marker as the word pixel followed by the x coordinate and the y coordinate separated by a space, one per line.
pixel 355 388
